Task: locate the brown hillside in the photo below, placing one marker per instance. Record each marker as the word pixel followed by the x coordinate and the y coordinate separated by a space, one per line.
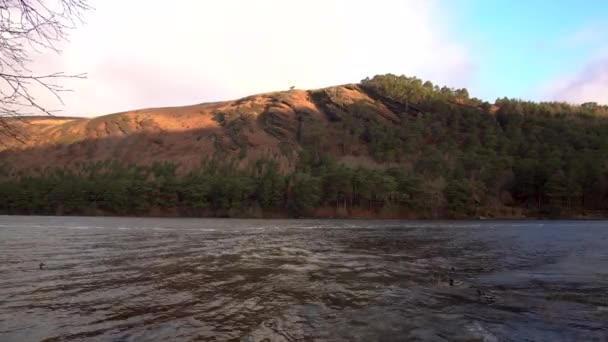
pixel 266 125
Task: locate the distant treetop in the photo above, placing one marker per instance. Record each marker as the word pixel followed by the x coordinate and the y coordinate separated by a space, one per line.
pixel 413 90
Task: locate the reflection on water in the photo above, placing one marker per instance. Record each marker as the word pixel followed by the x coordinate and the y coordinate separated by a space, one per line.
pixel 120 279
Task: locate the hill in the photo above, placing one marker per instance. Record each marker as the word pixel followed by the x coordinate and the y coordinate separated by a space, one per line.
pixel 390 146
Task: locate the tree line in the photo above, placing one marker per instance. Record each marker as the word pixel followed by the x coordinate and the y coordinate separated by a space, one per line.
pixel 216 188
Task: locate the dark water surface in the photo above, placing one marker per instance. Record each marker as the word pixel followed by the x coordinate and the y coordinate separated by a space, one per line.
pixel 127 279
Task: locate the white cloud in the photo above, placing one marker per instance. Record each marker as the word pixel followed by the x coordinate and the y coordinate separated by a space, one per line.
pixel 590 84
pixel 155 53
pixel 588 35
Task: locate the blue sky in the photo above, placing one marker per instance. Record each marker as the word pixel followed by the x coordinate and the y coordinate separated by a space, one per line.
pixel 519 47
pixel 153 55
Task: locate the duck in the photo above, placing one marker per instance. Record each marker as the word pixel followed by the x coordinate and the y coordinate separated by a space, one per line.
pixel 454 282
pixel 484 297
pixel 41 265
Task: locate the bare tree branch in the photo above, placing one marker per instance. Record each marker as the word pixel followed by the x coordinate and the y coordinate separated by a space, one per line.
pixel 28 27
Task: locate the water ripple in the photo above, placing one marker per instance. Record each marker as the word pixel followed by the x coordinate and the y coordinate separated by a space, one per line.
pixel 119 279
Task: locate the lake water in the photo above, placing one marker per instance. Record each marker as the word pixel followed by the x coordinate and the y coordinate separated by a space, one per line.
pixel 131 279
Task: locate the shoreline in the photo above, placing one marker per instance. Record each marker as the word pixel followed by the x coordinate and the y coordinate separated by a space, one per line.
pixel 350 218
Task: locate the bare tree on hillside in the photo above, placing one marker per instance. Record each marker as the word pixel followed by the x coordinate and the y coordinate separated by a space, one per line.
pixel 29 27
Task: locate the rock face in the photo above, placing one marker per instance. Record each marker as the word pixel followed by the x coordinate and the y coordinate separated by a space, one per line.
pixel 272 125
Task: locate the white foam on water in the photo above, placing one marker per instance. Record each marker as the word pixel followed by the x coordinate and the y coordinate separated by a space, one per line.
pixel 206 230
pixel 20 226
pixel 161 229
pixel 295 250
pixel 299 268
pixel 80 227
pixel 480 332
pixel 70 227
pixel 31 226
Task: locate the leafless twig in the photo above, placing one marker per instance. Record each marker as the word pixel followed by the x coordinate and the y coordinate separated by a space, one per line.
pixel 28 27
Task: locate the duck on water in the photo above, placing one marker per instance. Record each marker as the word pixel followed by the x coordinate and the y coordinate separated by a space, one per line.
pixel 481 295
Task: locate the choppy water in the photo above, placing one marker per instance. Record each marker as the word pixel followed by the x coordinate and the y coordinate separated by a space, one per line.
pixel 125 279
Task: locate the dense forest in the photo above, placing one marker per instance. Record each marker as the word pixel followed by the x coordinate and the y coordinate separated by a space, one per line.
pixel 443 154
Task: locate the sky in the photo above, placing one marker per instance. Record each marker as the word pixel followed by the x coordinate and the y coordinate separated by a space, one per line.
pixel 152 53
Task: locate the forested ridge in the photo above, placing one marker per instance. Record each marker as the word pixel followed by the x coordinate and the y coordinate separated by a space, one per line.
pixel 429 152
